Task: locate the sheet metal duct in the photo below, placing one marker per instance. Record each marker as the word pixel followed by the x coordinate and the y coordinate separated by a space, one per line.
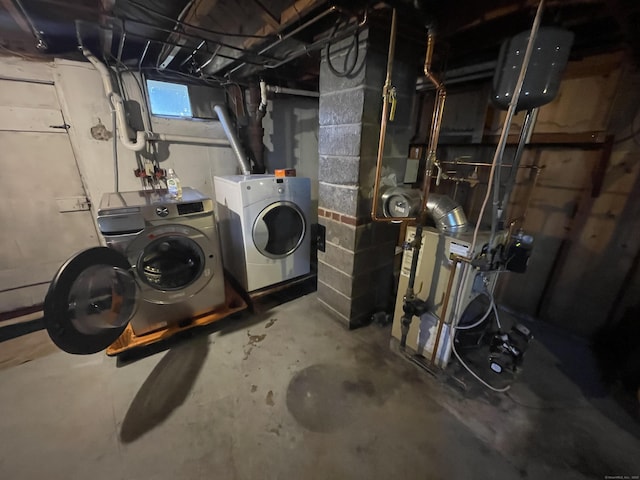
pixel 233 139
pixel 447 214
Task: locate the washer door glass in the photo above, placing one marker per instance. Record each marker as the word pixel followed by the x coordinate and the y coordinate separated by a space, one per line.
pixel 90 301
pixel 171 262
pixel 279 230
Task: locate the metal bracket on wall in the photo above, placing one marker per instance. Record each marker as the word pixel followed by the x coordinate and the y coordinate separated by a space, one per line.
pixel 73 204
pixel 64 126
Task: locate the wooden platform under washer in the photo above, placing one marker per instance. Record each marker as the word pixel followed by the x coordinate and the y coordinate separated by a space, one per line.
pixel 129 340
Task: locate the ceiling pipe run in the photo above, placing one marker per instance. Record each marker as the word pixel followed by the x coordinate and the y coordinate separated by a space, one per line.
pixel 282 38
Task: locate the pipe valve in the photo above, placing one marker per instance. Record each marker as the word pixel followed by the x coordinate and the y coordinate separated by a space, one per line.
pixel 393 100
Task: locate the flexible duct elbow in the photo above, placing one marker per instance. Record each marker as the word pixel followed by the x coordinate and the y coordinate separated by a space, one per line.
pixel 403 202
pixel 447 214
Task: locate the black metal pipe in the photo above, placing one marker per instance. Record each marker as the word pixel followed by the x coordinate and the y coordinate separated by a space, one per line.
pixel 288 35
pixel 19 329
pixel 320 44
pixel 182 34
pixel 146 9
pixel 524 133
pixel 409 296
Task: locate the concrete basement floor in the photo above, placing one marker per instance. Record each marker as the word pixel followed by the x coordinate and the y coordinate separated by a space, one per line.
pixel 289 393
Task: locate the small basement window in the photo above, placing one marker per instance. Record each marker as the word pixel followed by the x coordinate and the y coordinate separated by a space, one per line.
pixel 169 99
pixel 178 100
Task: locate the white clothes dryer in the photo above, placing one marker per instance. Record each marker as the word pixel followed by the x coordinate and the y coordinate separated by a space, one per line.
pixel 264 228
pixel 162 266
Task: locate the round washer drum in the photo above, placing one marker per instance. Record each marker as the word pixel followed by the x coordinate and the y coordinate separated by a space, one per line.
pixel 171 262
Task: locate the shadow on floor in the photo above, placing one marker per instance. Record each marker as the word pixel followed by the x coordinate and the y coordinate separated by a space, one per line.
pixel 561 371
pixel 166 388
pixel 237 321
pixel 16 330
pixel 170 382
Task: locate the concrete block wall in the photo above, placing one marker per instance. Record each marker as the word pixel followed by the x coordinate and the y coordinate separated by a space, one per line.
pixel 355 273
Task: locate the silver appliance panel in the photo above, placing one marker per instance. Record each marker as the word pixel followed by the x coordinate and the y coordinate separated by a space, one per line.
pixel 127 212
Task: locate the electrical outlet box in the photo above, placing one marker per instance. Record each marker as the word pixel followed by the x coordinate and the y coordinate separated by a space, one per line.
pixel 321 232
pixel 411 170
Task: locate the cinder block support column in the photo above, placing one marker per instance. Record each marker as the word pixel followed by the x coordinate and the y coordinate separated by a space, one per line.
pixel 355 273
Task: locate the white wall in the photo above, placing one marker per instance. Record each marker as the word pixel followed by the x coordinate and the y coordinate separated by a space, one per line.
pixel 291 139
pixel 40 184
pixel 84 105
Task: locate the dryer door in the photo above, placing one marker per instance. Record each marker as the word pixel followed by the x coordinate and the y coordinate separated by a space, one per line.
pixel 90 301
pixel 279 229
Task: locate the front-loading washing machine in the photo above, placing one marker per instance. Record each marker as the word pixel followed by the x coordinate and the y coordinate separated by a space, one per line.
pixel 162 266
pixel 264 228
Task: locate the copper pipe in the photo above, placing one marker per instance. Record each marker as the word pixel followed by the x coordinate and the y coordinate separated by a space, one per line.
pixel 481 164
pixel 429 56
pixel 436 122
pixel 383 126
pixel 445 305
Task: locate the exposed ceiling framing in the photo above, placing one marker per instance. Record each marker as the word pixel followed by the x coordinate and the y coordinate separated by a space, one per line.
pixel 236 39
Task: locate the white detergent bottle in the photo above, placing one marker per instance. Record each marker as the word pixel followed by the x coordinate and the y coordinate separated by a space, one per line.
pixel 173 185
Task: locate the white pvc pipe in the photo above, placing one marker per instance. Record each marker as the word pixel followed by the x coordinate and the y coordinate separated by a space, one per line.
pixel 263 96
pixel 164 137
pixel 140 142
